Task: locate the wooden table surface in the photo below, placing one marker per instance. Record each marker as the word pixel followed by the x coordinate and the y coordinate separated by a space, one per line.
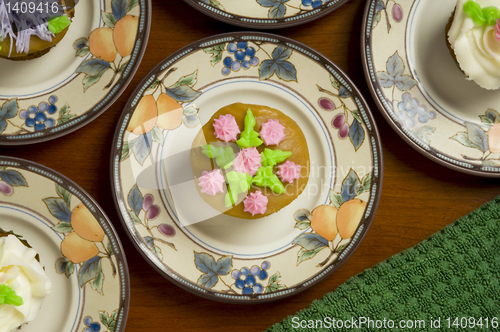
pixel 419 197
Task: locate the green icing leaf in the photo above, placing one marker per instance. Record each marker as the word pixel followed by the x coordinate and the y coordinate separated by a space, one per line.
pixel 9 296
pixel 473 10
pixel 249 137
pixel 59 23
pixel 223 156
pixel 238 183
pixel 273 157
pixel 266 178
pixel 491 14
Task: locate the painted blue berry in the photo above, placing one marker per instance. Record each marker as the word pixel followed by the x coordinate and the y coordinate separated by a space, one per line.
pixel 52 109
pixel 40 117
pixel 254 61
pixel 227 61
pixel 30 122
pixel 263 275
pixel 245 64
pixel 317 3
pixel 255 270
pixel 242 45
pixel 247 291
pixel 306 2
pixel 96 327
pixel 49 123
pixel 226 71
pixel 236 274
pixel 239 55
pixel 87 321
pixel 239 284
pixel 33 109
pixel 39 127
pixel 43 106
pixel 250 280
pixel 52 100
pixel 258 289
pixel 265 265
pixel 231 48
pixel 236 65
pixel 24 114
pixel 250 51
pixel 244 271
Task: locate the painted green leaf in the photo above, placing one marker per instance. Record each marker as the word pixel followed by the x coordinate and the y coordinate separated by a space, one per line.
pixel 336 199
pixel 216 52
pixel 63 227
pixel 273 284
pixel 304 254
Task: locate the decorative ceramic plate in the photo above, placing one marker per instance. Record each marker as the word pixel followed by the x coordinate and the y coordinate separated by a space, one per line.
pixel 422 92
pixel 77 245
pixel 266 14
pixel 241 260
pixel 77 80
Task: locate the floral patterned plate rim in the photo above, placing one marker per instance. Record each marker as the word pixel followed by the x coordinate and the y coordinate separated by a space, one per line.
pixel 231 259
pixel 266 14
pixel 78 80
pixel 421 91
pixel 77 245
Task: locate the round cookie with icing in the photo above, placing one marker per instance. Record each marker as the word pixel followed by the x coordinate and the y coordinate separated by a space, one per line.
pixel 261 155
pixel 474 39
pixel 19 43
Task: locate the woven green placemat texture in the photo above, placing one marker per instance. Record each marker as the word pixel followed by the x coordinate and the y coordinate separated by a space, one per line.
pixel 453 273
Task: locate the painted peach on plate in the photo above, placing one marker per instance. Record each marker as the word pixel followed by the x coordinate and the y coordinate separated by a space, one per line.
pixel 124 33
pixel 494 138
pixel 78 250
pixel 349 216
pixel 86 225
pixel 144 118
pixel 170 112
pixel 324 221
pixel 101 44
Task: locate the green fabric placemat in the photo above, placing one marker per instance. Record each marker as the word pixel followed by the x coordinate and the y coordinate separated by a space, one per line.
pixel 454 273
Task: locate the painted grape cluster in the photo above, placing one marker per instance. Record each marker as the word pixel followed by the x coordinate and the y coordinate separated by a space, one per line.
pixel 247 279
pixel 244 57
pixel 410 107
pixel 152 210
pixel 36 116
pixel 339 122
pixel 91 326
pixel 314 3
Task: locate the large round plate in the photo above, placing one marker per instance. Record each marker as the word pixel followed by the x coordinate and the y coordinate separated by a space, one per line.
pixel 281 249
pixel 421 91
pixel 70 86
pixel 266 14
pixel 38 204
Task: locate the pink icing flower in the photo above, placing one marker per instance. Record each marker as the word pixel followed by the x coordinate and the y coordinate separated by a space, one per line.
pixel 226 128
pixel 211 182
pixel 255 203
pixel 272 132
pixel 497 30
pixel 247 161
pixel 289 171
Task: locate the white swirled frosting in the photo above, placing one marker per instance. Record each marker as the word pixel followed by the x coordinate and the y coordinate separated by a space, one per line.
pixel 476 49
pixel 22 272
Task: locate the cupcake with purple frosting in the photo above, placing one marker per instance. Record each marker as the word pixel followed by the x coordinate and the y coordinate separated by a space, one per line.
pixel 31 29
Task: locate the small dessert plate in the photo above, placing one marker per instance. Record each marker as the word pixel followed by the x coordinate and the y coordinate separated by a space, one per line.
pixel 266 14
pixel 77 245
pixel 422 92
pixel 227 258
pixel 79 78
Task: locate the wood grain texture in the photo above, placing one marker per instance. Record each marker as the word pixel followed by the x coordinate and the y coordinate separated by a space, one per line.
pixel 419 197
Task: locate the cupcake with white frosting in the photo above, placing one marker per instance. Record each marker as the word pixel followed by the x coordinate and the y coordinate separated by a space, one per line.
pixel 474 39
pixel 23 283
